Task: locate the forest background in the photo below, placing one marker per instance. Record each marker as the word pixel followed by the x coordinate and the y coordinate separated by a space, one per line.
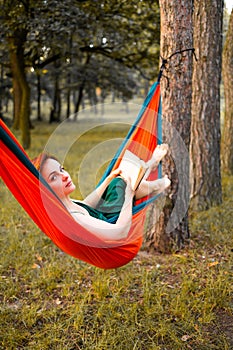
pixel 69 56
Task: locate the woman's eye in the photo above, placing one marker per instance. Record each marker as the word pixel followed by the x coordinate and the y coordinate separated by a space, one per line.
pixel 62 169
pixel 53 177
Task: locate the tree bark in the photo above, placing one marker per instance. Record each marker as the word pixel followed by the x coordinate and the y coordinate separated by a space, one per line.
pixel 81 88
pixel 176 34
pixel 38 85
pixel 80 97
pixel 17 98
pixel 25 114
pixel 227 72
pixel 55 114
pixel 69 80
pixel 68 98
pixel 205 129
pixel 20 85
pixel 1 90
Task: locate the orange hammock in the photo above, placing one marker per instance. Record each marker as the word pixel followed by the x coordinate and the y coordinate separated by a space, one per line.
pixel 47 211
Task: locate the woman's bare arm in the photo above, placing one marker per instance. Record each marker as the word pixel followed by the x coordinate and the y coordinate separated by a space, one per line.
pixel 108 231
pixel 94 197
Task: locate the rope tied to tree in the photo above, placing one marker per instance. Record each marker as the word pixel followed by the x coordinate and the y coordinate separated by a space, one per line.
pixel 166 60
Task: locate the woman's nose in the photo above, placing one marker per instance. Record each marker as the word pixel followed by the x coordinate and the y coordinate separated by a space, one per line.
pixel 64 177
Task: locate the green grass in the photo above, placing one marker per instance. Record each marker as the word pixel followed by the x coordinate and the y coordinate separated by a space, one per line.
pixel 49 300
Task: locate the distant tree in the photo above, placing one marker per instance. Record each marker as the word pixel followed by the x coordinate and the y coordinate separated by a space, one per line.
pixel 227 72
pixel 16 15
pixel 25 29
pixel 5 95
pixel 124 32
pixel 171 229
pixel 205 129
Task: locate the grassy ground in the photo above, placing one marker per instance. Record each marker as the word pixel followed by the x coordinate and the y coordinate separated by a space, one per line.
pixel 51 301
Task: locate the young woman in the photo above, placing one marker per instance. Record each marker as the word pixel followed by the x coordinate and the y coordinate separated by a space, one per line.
pixel 111 200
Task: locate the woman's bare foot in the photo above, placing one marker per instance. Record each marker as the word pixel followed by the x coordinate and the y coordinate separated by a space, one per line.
pixel 152 187
pixel 158 154
pixel 161 184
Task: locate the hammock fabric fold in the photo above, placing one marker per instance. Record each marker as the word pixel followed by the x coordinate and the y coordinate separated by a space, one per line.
pixel 47 211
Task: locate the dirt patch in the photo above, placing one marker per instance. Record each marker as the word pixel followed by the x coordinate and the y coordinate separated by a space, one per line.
pixel 223 327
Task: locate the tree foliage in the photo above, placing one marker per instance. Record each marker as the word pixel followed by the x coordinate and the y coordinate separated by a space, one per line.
pixel 85 40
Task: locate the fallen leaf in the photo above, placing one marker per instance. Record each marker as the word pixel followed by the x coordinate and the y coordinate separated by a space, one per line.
pixel 39 258
pixel 185 337
pixel 214 263
pixel 36 266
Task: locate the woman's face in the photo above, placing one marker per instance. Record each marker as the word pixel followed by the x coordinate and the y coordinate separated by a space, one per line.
pixel 58 179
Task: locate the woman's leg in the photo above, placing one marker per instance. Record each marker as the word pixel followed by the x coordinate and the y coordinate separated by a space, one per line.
pixel 113 198
pixel 157 186
pixel 114 195
pixel 158 154
pixel 148 187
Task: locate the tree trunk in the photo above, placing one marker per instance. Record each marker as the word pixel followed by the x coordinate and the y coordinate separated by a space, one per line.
pixel 17 98
pixel 38 76
pixel 69 80
pixel 176 34
pixel 227 72
pixel 1 90
pixel 81 88
pixel 20 85
pixel 79 100
pixel 68 99
pixel 25 114
pixel 205 129
pixel 56 108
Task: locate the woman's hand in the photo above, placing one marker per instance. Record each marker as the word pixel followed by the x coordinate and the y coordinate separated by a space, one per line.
pixel 129 192
pixel 113 174
pixel 93 198
pixel 118 172
pixel 103 229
